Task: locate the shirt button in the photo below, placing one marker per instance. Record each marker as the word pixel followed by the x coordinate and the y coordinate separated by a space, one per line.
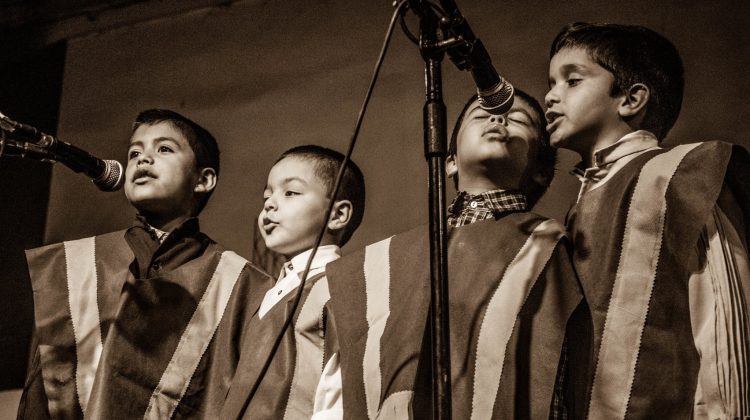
pixel 473 204
pixel 279 292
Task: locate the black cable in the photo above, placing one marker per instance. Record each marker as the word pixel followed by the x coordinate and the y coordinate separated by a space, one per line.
pixel 409 34
pixel 337 185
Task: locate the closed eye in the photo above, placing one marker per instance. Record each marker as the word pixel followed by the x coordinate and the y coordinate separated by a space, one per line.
pixel 477 113
pixel 519 117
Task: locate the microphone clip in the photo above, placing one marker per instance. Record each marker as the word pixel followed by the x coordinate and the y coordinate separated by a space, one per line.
pixel 6 124
pixel 23 149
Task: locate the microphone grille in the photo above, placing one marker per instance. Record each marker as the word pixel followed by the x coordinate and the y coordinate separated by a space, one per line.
pixel 112 178
pixel 498 99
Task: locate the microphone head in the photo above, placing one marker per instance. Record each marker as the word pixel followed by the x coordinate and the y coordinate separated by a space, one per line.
pixel 498 99
pixel 112 177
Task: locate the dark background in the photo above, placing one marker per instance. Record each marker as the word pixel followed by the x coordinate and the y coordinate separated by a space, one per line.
pixel 264 76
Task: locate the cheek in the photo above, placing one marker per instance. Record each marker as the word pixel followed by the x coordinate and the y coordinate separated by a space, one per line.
pixel 189 175
pixel 127 189
pixel 129 171
pixel 466 136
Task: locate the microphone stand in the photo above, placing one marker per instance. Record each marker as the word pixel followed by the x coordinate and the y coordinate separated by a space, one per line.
pixel 443 29
pixel 435 140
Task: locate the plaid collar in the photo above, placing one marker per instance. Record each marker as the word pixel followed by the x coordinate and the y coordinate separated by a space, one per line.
pixel 469 208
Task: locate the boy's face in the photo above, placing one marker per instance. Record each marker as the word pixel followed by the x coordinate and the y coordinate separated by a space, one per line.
pixel 161 174
pixel 499 142
pixel 580 107
pixel 295 207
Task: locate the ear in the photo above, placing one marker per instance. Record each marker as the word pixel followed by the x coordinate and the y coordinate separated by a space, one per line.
pixel 451 167
pixel 206 180
pixel 634 100
pixel 340 215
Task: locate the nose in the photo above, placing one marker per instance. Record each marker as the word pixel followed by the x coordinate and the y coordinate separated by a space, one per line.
pixel 144 158
pixel 269 204
pixel 551 98
pixel 498 119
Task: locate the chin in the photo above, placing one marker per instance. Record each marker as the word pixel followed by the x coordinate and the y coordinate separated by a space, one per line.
pixel 140 194
pixel 276 246
pixel 558 141
pixel 140 204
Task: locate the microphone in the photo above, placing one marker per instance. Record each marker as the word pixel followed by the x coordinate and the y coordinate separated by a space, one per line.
pixel 107 175
pixel 495 93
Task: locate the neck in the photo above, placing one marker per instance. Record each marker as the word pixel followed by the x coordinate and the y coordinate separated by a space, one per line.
pixel 601 141
pixel 477 184
pixel 327 240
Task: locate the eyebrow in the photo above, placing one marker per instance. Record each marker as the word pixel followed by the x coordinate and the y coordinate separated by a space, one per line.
pixel 293 178
pixel 566 69
pixel 156 140
pixel 573 67
pixel 513 109
pixel 473 108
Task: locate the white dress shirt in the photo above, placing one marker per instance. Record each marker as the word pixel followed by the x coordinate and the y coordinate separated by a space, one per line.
pixel 289 278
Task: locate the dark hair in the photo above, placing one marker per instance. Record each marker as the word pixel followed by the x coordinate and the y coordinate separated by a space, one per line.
pixel 633 54
pixel 202 143
pixel 327 164
pixel 543 156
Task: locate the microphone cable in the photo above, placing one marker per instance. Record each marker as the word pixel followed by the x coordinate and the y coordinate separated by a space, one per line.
pixel 337 185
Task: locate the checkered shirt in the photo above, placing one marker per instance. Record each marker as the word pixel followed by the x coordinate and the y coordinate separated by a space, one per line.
pixel 469 208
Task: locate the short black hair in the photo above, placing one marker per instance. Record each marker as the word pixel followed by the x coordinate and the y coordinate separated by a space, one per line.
pixel 202 142
pixel 544 156
pixel 633 54
pixel 327 163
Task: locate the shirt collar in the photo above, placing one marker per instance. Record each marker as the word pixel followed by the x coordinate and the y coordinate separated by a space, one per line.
pixel 494 200
pixel 609 160
pixel 630 143
pixel 323 256
pixel 188 228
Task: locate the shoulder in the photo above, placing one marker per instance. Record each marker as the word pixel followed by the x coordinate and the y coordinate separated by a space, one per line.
pixel 700 166
pixel 110 241
pixel 522 224
pixel 710 152
pixel 229 256
pixel 716 147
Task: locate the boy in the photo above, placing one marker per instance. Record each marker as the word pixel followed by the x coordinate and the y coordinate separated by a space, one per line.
pixel 659 234
pixel 302 375
pixel 512 289
pixel 142 323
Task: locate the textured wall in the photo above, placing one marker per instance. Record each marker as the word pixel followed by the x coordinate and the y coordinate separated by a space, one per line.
pixel 267 75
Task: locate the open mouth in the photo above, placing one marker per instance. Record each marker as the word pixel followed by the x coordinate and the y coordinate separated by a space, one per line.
pixel 269 225
pixel 552 119
pixel 141 180
pixel 142 176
